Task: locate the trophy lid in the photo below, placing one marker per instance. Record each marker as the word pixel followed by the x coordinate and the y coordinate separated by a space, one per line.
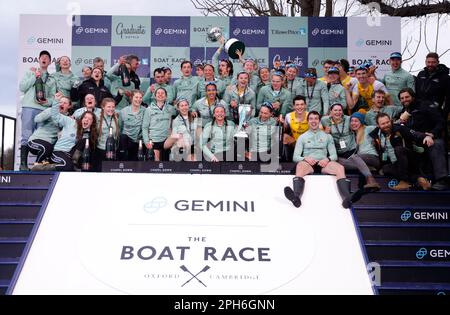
pixel 232 45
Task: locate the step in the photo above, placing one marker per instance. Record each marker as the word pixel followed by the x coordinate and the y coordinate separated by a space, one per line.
pixel 12 247
pixel 417 233
pixel 414 272
pixel 14 229
pixel 32 196
pixel 383 181
pixel 25 180
pixel 7 269
pixel 406 199
pixel 19 212
pixel 392 288
pixel 392 215
pixel 4 286
pixel 409 252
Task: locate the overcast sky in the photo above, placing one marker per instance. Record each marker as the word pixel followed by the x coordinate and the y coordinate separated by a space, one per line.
pixel 9 30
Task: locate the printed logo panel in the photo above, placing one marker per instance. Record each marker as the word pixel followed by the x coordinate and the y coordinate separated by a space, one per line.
pixel 200 27
pixel 171 31
pixel 327 32
pixel 83 56
pixel 142 52
pixel 134 31
pixel 93 30
pixel 171 57
pixel 298 55
pixel 251 31
pixel 317 56
pixel 288 31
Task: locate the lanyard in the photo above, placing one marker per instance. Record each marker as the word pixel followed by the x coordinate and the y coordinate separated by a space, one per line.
pixel 310 96
pixel 188 126
pixel 224 135
pixel 213 105
pixel 337 126
pixel 292 85
pixel 110 122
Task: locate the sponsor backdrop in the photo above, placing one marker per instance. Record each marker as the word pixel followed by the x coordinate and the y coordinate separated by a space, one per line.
pixel 166 41
pixel 165 237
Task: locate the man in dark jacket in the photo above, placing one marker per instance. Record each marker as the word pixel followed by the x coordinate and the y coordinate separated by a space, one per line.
pixel 95 86
pixel 433 84
pixel 419 116
pixel 395 146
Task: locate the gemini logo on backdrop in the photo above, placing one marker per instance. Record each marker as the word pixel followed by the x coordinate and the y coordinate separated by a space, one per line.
pixel 373 42
pixel 250 30
pixel 44 40
pixel 94 30
pixel 327 32
pixel 170 31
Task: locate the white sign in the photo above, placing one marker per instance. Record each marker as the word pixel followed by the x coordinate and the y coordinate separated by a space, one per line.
pixel 193 234
pixel 373 42
pixel 37 33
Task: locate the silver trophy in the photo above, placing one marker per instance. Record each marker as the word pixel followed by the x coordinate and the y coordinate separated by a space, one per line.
pixel 245 111
pixel 231 45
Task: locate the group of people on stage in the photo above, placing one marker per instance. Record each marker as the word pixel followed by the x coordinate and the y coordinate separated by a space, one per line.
pixel 348 119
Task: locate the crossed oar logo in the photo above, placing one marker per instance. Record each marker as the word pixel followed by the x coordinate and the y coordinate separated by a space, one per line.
pixel 184 268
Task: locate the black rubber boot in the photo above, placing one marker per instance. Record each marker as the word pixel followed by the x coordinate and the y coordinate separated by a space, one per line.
pixel 344 191
pixel 24 158
pixel 295 195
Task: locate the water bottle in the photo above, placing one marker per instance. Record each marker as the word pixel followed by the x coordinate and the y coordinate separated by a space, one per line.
pixel 124 75
pixel 140 154
pixel 110 146
pixel 39 87
pixel 86 162
pixel 151 154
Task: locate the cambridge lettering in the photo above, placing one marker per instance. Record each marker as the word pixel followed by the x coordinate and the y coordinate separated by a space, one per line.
pixel 209 253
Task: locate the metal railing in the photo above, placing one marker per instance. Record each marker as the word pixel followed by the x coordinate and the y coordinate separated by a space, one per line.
pixel 8 136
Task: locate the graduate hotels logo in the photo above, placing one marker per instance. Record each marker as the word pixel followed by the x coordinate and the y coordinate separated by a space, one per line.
pixel 130 31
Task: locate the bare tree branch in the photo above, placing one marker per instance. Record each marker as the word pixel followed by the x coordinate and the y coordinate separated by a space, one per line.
pixel 417 47
pixel 405 10
pixel 425 35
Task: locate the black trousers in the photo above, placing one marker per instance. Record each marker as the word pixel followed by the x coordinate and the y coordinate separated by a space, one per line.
pixel 63 161
pixel 128 149
pixel 407 167
pixel 42 149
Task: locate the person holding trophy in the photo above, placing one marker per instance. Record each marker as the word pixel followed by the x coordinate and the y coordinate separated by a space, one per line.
pixel 233 47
